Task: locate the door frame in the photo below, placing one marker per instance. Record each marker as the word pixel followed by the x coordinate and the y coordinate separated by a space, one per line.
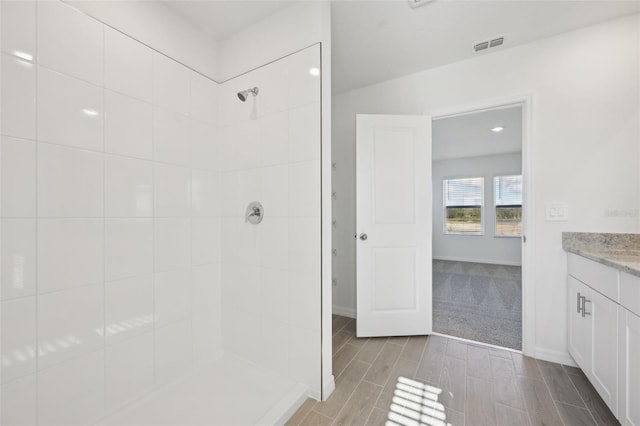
pixel 528 248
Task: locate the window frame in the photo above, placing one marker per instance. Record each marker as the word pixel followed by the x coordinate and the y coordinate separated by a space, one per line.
pixel 495 206
pixel 481 206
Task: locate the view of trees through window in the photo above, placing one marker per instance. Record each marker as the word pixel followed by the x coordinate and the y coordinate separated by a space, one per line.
pixel 508 201
pixel 463 199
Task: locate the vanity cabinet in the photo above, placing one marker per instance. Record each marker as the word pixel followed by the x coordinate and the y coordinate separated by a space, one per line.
pixel 593 340
pixel 604 333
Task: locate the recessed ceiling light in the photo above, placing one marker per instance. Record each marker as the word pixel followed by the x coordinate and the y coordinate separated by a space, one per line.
pixel 497 129
pixel 90 112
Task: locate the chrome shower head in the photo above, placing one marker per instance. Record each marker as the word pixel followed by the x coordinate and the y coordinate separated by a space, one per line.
pixel 244 94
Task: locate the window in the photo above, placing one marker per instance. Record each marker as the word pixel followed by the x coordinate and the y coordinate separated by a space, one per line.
pixel 507 192
pixel 463 206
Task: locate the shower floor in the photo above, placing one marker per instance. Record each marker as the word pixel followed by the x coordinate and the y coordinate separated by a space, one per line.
pixel 227 392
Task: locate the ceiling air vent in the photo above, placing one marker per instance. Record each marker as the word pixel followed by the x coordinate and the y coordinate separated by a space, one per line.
pixel 488 44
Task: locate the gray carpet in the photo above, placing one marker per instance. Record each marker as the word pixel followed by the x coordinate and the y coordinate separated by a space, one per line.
pixel 478 301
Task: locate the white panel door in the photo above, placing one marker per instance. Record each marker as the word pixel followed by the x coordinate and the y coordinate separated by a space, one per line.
pixel 604 363
pixel 393 158
pixel 629 371
pixel 579 325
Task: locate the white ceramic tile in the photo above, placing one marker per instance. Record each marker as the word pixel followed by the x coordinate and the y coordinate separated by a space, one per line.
pixel 129 370
pixel 172 295
pixel 18 98
pixel 18 29
pixel 304 189
pixel 226 139
pixel 207 340
pixel 18 258
pixel 304 245
pixel 241 288
pixel 172 244
pixel 273 351
pixel 273 82
pixel 274 293
pixel 69 111
pixel 304 133
pixel 304 300
pixel 172 191
pixel 128 307
pixel 171 137
pixel 170 84
pixel 18 400
pixel 18 349
pixel 174 354
pixel 70 323
pixel 247 141
pixel 128 126
pixel 304 356
pixel 205 193
pixel 204 146
pixel 70 182
pixel 230 105
pixel 128 65
pixel 204 98
pixel 128 187
pixel 205 240
pixel 248 187
pixel 249 243
pixel 229 197
pixel 275 190
pixel 206 292
pixel 275 242
pixel 18 177
pixel 274 142
pixel 70 41
pixel 303 86
pixel 72 393
pixel 128 248
pixel 70 253
pixel 229 241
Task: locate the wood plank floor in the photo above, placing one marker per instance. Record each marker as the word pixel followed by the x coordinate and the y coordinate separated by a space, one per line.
pixel 439 381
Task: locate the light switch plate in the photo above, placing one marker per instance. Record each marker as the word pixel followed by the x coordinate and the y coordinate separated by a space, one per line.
pixel 557 212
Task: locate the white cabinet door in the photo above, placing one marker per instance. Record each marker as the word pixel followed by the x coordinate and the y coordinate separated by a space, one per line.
pixel 604 345
pixel 629 371
pixel 579 325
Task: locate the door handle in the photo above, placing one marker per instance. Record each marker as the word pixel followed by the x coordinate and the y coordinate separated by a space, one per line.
pixel 579 301
pixel 363 236
pixel 584 308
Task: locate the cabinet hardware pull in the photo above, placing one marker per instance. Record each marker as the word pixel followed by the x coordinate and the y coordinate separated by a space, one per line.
pixel 578 302
pixel 584 308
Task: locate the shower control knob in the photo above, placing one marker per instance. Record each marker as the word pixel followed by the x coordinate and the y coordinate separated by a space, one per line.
pixel 363 236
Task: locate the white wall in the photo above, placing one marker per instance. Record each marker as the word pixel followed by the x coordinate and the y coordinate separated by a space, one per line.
pixel 110 217
pixel 474 248
pixel 157 26
pixel 584 145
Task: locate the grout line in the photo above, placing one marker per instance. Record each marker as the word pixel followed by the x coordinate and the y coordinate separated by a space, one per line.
pixel 555 403
pixel 36 221
pixel 104 237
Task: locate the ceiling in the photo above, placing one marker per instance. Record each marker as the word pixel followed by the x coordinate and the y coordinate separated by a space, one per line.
pixel 470 135
pixel 222 18
pixel 378 40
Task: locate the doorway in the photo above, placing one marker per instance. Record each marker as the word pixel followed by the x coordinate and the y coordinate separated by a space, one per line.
pixel 478 204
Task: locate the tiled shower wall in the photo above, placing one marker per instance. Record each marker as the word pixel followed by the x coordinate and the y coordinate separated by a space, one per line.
pixel 110 217
pixel 270 152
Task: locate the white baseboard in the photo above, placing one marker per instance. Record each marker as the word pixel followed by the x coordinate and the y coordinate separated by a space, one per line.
pixel 328 388
pixel 345 312
pixel 490 262
pixel 555 356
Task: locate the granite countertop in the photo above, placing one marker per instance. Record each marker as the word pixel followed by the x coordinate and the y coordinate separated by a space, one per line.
pixel 620 251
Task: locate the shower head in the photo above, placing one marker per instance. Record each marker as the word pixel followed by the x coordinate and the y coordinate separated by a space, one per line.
pixel 244 94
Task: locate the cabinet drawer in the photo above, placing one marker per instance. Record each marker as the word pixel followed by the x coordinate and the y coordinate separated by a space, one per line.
pixel 599 277
pixel 630 292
